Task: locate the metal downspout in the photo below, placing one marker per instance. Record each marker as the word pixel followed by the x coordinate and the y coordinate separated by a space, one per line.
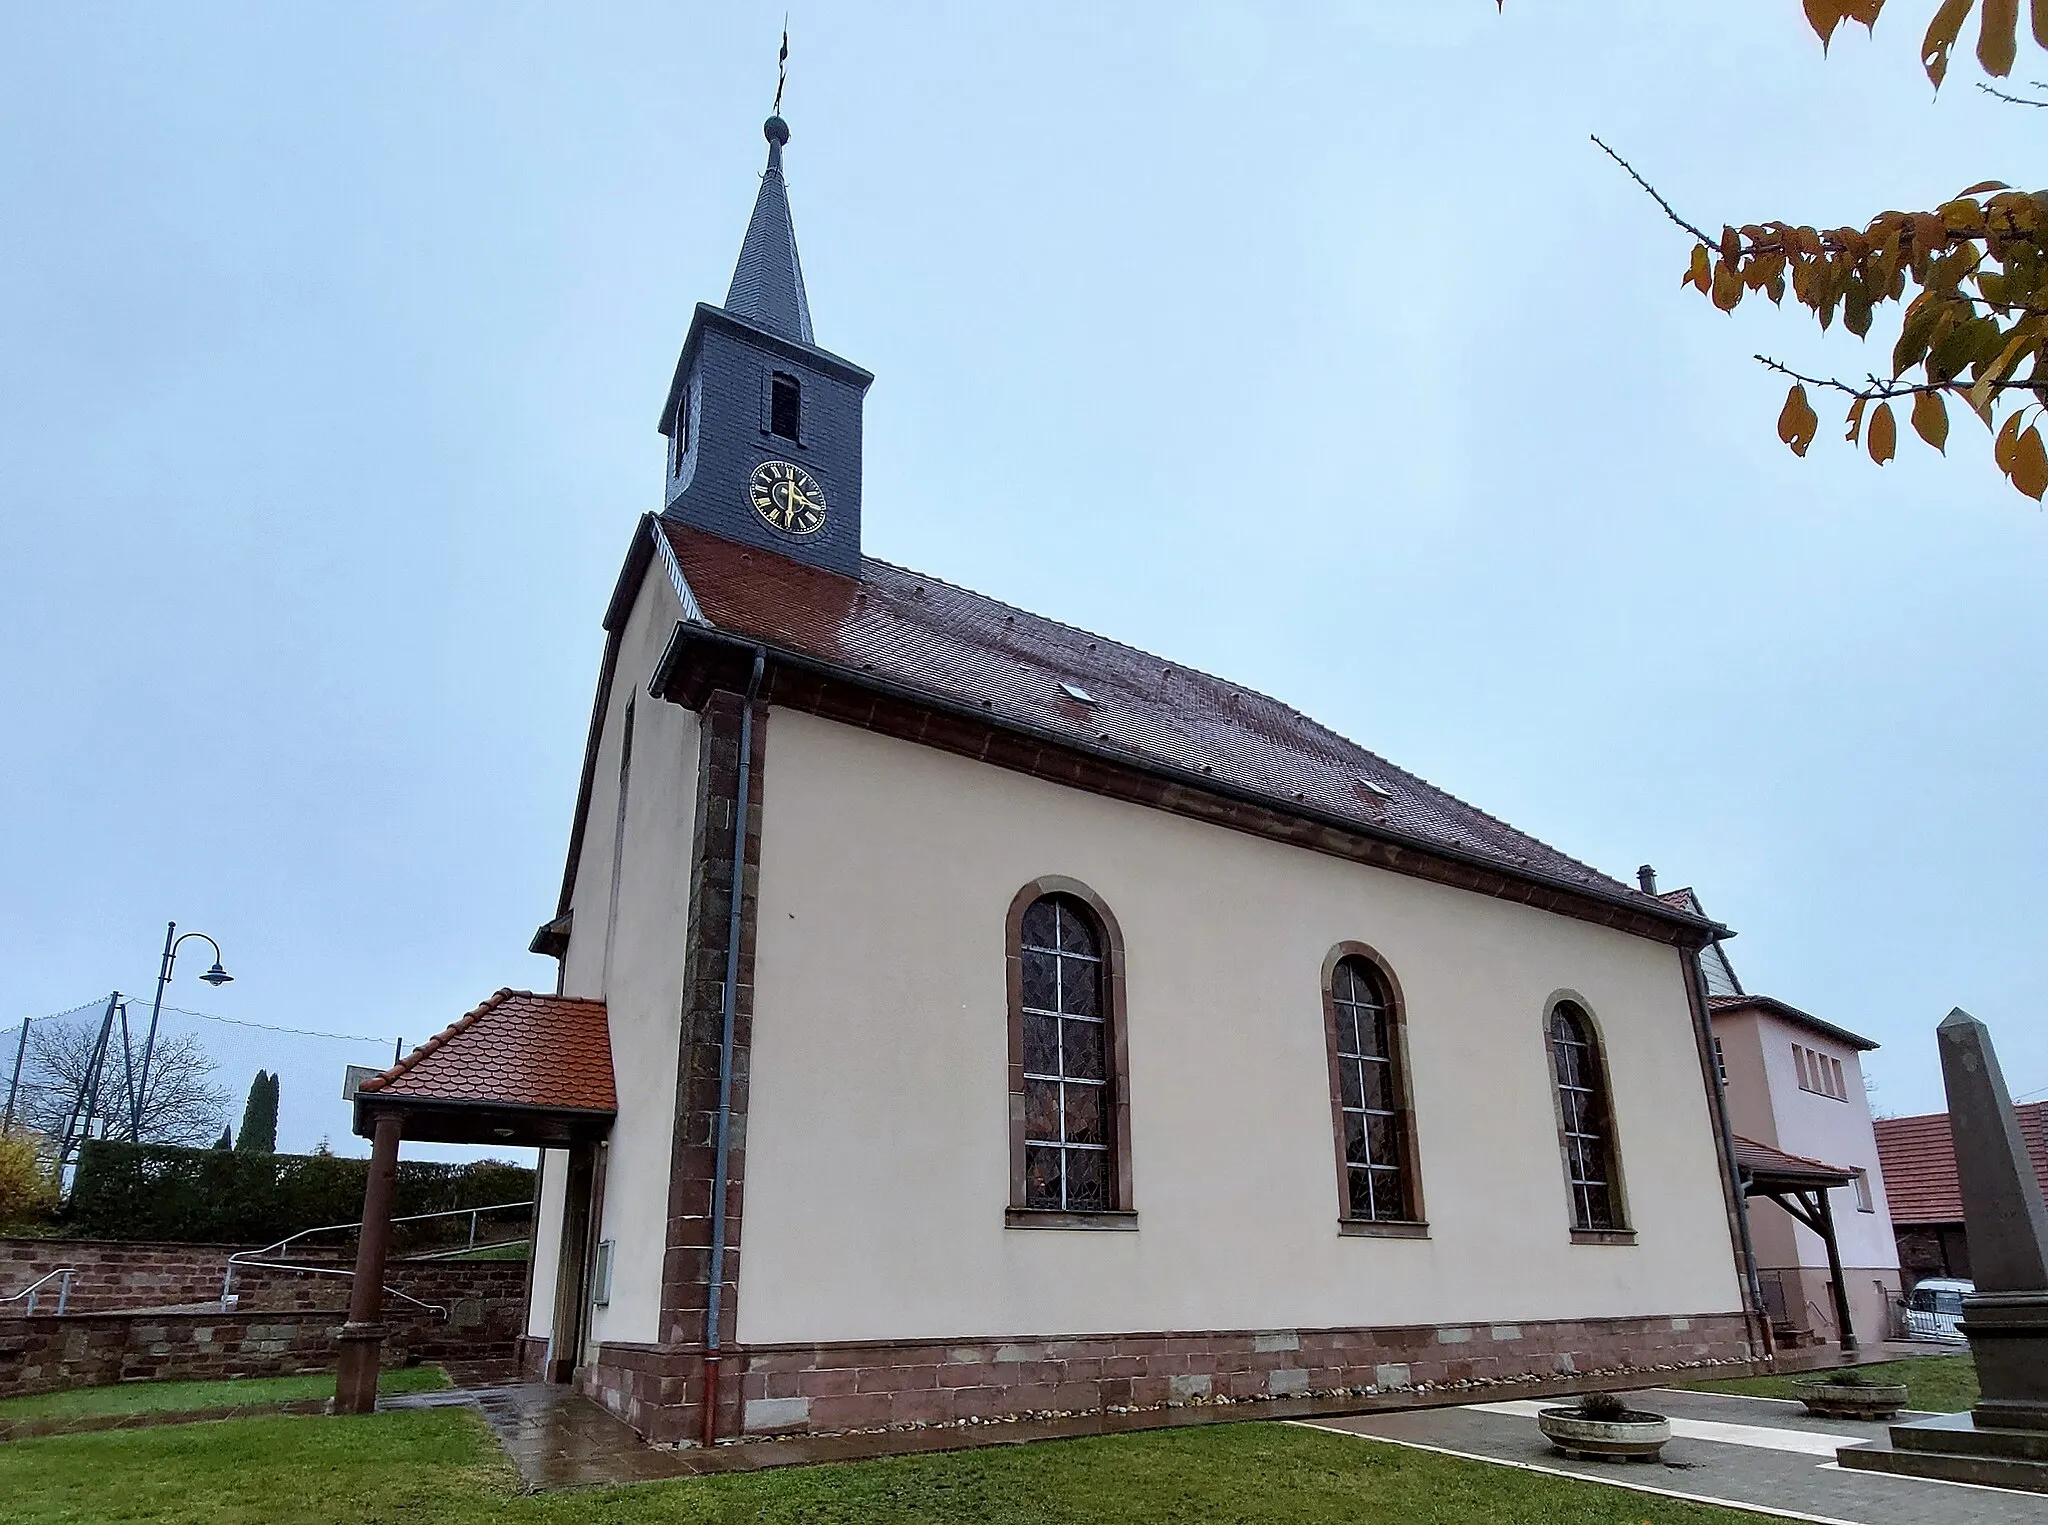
pixel 714 1305
pixel 1696 994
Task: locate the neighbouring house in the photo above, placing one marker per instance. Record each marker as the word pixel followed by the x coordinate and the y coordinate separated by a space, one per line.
pixel 1086 1031
pixel 1794 1085
pixel 1927 1199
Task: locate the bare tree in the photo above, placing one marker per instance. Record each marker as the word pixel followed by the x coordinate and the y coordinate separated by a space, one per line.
pixel 182 1106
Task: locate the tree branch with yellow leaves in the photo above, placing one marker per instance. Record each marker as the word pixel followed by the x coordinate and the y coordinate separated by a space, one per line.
pixel 1970 277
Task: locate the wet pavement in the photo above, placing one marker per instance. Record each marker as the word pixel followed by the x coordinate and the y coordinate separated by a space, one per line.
pixel 1762 1454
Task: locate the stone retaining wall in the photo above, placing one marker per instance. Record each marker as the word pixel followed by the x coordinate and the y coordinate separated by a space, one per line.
pixel 48 1354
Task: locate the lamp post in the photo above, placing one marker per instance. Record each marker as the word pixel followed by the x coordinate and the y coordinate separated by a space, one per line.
pixel 216 976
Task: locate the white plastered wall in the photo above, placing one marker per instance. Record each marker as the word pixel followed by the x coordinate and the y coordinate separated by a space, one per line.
pixel 877 1141
pixel 641 978
pixel 547 1241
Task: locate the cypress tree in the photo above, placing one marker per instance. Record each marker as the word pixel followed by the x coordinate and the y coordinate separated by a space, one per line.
pixel 226 1140
pixel 259 1116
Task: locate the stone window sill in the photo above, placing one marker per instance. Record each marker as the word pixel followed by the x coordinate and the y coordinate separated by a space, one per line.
pixel 1373 1228
pixel 1603 1236
pixel 1045 1217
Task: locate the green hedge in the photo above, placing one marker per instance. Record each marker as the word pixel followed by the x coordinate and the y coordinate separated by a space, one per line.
pixel 157 1191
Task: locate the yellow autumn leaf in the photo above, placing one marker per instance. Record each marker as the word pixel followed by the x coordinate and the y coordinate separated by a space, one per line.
pixel 1701 272
pixel 2008 438
pixel 1998 36
pixel 2030 465
pixel 1941 36
pixel 1930 415
pixel 1797 422
pixel 1727 287
pixel 1883 441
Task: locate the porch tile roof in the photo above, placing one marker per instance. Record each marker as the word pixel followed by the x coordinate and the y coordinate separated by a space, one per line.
pixel 1764 1163
pixel 518 1049
pixel 921 634
pixel 1918 1155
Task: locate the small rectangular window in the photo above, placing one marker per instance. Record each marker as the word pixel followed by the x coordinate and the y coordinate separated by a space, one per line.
pixel 1799 1064
pixel 682 430
pixel 785 406
pixel 1841 1082
pixel 1720 1062
pixel 1862 1185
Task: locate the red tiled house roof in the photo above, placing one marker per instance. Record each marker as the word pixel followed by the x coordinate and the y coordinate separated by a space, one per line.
pixel 1919 1159
pixel 517 1050
pixel 904 631
pixel 1778 1008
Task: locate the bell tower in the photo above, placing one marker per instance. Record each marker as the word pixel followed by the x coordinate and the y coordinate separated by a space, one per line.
pixel 763 426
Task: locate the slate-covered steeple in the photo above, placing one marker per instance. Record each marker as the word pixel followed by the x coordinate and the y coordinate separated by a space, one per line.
pixel 768 283
pixel 764 427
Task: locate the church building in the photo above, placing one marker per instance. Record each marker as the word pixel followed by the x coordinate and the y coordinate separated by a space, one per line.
pixel 964 1016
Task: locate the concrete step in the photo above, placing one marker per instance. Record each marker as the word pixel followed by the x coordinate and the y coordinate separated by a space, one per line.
pixel 1956 1434
pixel 1947 1466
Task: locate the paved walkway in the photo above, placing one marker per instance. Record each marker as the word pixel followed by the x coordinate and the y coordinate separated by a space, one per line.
pixel 1755 1453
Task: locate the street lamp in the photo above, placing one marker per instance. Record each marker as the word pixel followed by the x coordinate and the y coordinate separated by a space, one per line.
pixel 216 977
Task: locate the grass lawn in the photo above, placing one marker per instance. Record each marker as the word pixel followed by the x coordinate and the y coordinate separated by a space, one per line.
pixel 188 1397
pixel 518 1249
pixel 1939 1384
pixel 442 1466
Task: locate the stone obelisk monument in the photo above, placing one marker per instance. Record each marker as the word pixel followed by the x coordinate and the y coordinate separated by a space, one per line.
pixel 2004 1440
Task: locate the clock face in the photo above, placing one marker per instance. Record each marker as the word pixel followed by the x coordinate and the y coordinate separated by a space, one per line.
pixel 787 498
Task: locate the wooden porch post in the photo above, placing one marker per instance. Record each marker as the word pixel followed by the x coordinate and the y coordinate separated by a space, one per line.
pixel 1827 1233
pixel 362 1337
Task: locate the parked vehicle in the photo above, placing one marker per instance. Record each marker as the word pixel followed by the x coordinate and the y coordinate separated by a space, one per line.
pixel 1934 1309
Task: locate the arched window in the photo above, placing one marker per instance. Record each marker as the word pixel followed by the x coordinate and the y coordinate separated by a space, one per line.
pixel 1585 1122
pixel 1369 1093
pixel 1070 1136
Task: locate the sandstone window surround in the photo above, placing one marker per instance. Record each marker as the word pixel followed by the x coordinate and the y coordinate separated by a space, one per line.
pixel 1365 1031
pixel 1585 1127
pixel 1070 1135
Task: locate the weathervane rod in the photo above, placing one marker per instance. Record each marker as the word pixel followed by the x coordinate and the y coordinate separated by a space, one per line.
pixel 782 65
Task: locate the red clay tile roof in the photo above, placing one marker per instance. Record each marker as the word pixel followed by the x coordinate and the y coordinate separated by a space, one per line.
pixel 1919 1159
pixel 518 1049
pixel 919 633
pixel 1778 1008
pixel 1761 1160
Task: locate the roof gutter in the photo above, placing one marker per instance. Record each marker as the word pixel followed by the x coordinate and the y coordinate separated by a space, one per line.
pixel 687 635
pixel 1703 1028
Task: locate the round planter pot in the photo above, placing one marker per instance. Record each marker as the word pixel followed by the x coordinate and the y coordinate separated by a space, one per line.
pixel 1637 1438
pixel 1836 1400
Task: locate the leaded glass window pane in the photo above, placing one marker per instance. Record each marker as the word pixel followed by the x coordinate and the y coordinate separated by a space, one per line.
pixel 1067 1101
pixel 1368 1094
pixel 1582 1106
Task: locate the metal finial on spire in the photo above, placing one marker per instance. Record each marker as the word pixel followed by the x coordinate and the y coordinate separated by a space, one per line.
pixel 781 67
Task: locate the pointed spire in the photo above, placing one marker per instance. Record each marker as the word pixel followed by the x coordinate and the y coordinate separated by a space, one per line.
pixel 768 282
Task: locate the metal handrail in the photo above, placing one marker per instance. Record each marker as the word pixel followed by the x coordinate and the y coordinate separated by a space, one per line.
pixel 250 1259
pixel 62 1276
pixel 281 1265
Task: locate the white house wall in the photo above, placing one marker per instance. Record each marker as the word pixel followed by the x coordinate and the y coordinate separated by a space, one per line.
pixel 643 990
pixel 877 1141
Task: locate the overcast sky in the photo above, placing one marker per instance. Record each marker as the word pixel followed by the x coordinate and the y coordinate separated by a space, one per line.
pixel 1312 345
